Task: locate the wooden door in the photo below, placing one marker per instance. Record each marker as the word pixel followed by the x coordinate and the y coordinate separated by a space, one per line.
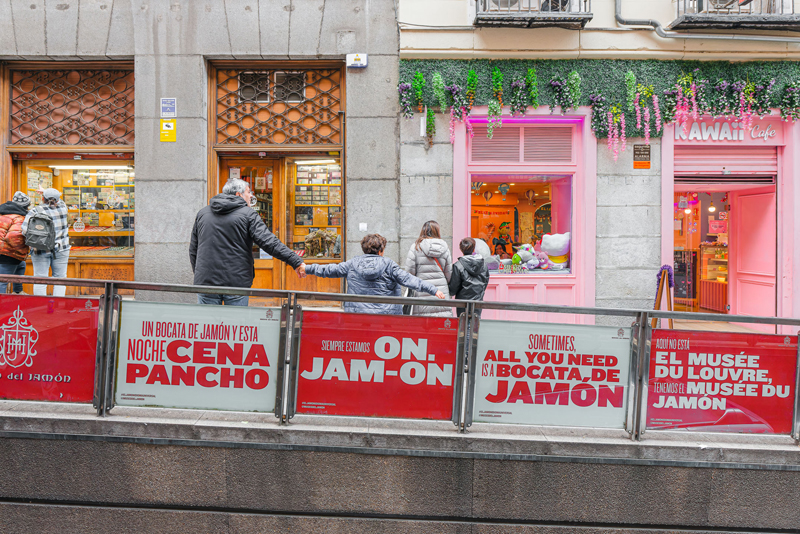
pixel 265 181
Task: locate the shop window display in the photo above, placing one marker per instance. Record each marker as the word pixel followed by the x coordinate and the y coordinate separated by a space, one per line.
pixel 523 223
pixel 316 221
pixel 100 199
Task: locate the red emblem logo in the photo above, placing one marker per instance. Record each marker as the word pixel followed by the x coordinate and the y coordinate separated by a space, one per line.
pixel 17 341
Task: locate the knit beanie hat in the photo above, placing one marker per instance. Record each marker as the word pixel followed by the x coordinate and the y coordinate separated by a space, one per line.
pixel 51 194
pixel 22 199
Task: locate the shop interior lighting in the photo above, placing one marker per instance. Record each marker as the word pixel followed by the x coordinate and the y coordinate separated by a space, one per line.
pixel 687 211
pixel 712 208
pixel 100 167
pixel 315 161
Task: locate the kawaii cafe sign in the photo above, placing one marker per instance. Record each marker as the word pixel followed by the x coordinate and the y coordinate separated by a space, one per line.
pixel 732 131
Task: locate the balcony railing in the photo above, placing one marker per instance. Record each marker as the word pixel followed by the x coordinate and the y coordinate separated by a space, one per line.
pixel 737 14
pixel 534 13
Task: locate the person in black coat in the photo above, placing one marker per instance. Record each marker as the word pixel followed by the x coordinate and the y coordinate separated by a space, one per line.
pixel 221 249
pixel 470 274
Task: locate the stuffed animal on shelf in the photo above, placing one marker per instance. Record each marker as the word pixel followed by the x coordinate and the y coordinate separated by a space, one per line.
pixel 556 246
pixel 482 249
pixel 504 231
pixel 524 254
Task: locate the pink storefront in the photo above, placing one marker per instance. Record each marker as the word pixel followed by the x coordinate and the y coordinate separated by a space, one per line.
pixel 728 215
pixel 536 177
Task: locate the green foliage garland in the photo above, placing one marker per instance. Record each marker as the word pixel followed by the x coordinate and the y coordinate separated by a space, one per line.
pixel 533 87
pixel 790 103
pixel 574 87
pixel 438 92
pixel 495 118
pixel 519 98
pixel 606 77
pixel 430 124
pixel 497 85
pixel 418 85
pixel 630 89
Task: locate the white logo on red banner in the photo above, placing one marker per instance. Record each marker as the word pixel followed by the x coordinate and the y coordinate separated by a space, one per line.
pixel 19 337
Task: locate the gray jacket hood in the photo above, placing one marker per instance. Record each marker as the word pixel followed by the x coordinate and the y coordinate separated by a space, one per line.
pixel 434 248
pixel 474 264
pixel 222 204
pixel 370 266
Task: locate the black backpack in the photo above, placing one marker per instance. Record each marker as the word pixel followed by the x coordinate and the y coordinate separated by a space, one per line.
pixel 40 234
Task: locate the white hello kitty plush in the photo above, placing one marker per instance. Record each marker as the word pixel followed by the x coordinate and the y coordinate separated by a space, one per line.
pixel 556 246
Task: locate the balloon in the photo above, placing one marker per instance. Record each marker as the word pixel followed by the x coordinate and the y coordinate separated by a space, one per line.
pixel 503 188
pixel 488 196
pixel 476 186
pixel 529 194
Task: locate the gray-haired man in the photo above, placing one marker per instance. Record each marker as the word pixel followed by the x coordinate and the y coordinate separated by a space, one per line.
pixel 221 250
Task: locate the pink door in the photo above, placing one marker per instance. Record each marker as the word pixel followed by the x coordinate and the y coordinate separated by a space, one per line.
pixel 753 242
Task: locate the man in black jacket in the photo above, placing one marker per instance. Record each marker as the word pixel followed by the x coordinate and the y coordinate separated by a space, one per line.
pixel 221 250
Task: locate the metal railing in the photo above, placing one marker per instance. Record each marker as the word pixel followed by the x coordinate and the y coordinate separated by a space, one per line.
pixel 534 7
pixel 467 351
pixel 735 8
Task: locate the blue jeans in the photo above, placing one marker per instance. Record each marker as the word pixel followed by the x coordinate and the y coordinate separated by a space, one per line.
pixel 12 268
pixel 43 262
pixel 228 300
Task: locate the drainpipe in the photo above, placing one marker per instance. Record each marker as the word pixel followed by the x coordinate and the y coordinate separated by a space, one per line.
pixel 661 32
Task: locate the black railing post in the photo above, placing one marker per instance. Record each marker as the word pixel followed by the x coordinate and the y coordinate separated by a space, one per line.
pixel 109 352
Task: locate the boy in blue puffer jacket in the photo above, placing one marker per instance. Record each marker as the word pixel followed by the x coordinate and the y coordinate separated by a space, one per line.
pixel 372 274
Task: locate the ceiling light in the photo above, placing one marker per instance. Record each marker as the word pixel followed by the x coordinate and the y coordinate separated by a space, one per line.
pixel 99 167
pixel 546 191
pixel 315 161
pixel 712 208
pixel 687 211
pixel 512 184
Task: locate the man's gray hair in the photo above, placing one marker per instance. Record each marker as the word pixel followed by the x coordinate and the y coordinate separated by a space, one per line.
pixel 235 186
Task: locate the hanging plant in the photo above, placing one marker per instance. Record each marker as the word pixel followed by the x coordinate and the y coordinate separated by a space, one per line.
pixel 406 106
pixel 472 89
pixel 617 139
pixel 670 105
pixel 533 87
pixel 458 110
pixel 430 125
pixel 438 92
pixel 495 119
pixel 418 85
pixel 562 97
pixel 657 111
pixel 790 102
pixel 497 85
pixel 643 95
pixel 630 89
pixel 722 102
pixel 574 87
pixel 638 111
pixel 519 97
pixel 598 104
pixel 764 96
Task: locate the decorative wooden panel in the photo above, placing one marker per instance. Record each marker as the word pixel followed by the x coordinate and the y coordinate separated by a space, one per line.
pixel 265 107
pixel 72 107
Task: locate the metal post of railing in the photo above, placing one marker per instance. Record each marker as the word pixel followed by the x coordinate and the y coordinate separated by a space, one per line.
pixel 644 361
pixel 109 358
pixel 796 425
pixel 474 332
pixel 297 330
pixel 633 373
pixel 98 400
pixel 458 371
pixel 642 319
pixel 286 358
pixel 280 375
pixel 464 368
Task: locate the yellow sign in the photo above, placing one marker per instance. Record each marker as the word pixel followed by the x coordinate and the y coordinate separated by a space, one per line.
pixel 168 130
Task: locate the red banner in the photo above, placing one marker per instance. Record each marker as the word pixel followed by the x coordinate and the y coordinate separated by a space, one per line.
pixel 722 382
pixel 48 347
pixel 377 365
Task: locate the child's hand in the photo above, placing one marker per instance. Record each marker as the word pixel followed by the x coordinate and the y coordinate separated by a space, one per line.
pixel 439 295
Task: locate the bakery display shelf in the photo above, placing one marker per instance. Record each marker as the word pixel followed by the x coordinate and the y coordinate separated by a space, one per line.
pixel 100 251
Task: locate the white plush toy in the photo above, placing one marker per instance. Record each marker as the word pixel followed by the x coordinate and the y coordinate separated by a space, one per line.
pixel 556 246
pixel 482 249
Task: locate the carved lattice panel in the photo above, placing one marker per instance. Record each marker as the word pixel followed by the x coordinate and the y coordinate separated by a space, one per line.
pixel 279 107
pixel 72 107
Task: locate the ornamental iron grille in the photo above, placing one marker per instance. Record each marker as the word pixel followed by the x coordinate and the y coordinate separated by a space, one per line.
pixel 72 107
pixel 265 107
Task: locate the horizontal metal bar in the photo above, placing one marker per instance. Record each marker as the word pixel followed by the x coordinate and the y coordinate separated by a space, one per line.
pixel 716 317
pixel 423 453
pixel 80 282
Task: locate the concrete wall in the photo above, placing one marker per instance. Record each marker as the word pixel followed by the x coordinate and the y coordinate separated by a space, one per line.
pixel 628 230
pixel 171 43
pixel 444 29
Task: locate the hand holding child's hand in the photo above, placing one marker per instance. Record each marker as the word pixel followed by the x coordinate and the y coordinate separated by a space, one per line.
pixel 439 295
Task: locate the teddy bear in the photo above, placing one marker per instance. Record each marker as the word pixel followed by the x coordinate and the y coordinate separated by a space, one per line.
pixel 556 247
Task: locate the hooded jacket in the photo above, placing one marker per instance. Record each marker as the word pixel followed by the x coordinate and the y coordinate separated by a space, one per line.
pixel 371 274
pixel 422 262
pixel 221 249
pixel 470 278
pixel 12 243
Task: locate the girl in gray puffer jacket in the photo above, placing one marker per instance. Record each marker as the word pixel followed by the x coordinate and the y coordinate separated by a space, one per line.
pixel 429 259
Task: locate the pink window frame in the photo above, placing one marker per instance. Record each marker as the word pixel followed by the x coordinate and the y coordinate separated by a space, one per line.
pixel 537 288
pixel 788 145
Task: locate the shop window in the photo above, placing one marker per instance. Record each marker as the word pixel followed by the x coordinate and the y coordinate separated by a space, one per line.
pixel 290 87
pixel 317 216
pixel 100 198
pixel 524 221
pixel 254 87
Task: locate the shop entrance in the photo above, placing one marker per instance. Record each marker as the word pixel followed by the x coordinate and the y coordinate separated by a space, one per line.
pixel 300 199
pixel 725 246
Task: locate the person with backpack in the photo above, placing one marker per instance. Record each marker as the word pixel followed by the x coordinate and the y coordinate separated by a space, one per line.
pixel 46 232
pixel 429 259
pixel 470 274
pixel 13 249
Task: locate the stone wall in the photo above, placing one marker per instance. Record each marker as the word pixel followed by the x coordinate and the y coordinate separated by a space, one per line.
pixel 171 43
pixel 628 230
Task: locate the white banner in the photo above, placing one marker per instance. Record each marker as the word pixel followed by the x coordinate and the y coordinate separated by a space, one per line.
pixel 552 374
pixel 204 357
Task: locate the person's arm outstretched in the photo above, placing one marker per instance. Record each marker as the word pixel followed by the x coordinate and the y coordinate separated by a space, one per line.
pixel 409 280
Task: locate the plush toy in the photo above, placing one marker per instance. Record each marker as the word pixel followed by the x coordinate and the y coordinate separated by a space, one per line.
pixel 556 246
pixel 482 249
pixel 504 230
pixel 524 254
pixel 533 263
pixel 492 263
